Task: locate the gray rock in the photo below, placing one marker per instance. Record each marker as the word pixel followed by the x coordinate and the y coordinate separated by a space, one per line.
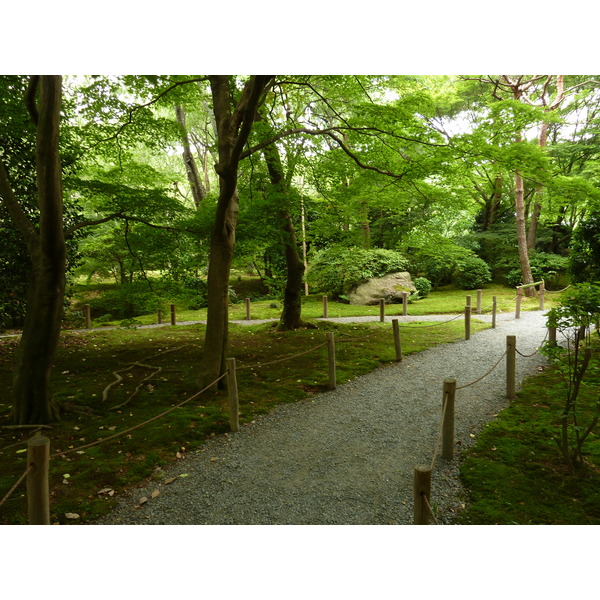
pixel 389 287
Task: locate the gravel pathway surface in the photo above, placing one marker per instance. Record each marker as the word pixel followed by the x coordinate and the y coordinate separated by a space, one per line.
pixel 346 456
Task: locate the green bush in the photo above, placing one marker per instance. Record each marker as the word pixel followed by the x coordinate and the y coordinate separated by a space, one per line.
pixel 336 270
pixel 423 286
pixel 584 260
pixel 544 265
pixel 127 301
pixel 472 272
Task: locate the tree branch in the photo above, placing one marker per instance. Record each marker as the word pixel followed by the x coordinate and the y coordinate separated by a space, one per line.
pixel 30 102
pixel 18 215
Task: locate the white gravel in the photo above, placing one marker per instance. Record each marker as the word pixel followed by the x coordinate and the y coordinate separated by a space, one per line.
pixel 345 456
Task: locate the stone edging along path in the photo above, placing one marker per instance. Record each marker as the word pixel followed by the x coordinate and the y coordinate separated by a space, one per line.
pixel 346 456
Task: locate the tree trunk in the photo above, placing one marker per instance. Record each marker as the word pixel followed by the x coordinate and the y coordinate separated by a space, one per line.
pixel 522 235
pixel 198 190
pixel 291 316
pixel 31 387
pixel 233 124
pixel 539 193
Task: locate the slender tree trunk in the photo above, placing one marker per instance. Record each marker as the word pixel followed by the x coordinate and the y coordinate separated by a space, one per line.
pixel 539 194
pixel 31 386
pixel 198 190
pixel 291 316
pixel 522 235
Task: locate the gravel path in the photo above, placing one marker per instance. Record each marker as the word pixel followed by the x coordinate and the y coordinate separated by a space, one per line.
pixel 345 456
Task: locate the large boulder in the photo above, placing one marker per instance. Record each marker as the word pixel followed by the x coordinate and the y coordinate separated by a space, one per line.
pixel 388 287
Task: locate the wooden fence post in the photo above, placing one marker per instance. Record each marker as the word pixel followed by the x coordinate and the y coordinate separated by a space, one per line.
pixel 397 343
pixel 88 317
pixel 518 305
pixel 159 316
pixel 467 322
pixel 542 293
pixel 511 363
pixel 173 318
pixel 552 336
pixel 381 310
pixel 248 309
pixel 325 308
pixel 38 492
pixel 479 293
pixel 421 491
pixel 331 359
pixel 448 420
pixel 234 400
pixel 468 301
pixel 494 311
pixel 404 303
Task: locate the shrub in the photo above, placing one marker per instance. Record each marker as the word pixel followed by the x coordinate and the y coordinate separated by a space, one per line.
pixel 336 270
pixel 423 286
pixel 544 265
pixel 472 272
pixel 584 260
pixel 127 301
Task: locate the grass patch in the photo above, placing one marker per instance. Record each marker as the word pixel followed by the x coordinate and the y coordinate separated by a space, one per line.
pixel 84 367
pixel 447 300
pixel 515 473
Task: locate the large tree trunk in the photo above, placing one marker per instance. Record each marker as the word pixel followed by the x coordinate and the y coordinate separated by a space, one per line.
pixel 522 235
pixel 31 387
pixel 233 129
pixel 196 185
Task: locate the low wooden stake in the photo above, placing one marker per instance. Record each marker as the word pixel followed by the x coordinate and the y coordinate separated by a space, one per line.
pixel 38 492
pixel 88 317
pixel 331 360
pixel 173 318
pixel 234 400
pixel 448 418
pixel 421 490
pixel 518 305
pixel 467 322
pixel 159 316
pixel 494 311
pixel 325 308
pixel 248 309
pixel 397 342
pixel 404 303
pixel 381 310
pixel 511 364
pixel 479 293
pixel 552 336
pixel 542 293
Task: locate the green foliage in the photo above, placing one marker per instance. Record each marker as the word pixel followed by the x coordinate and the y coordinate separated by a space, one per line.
pixel 544 265
pixel 472 272
pixel 579 307
pixel 584 259
pixel 423 286
pixel 335 271
pixel 125 302
pixel 574 318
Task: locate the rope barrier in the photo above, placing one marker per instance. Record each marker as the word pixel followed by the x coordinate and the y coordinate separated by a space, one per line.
pixel 166 412
pixel 536 351
pixel 429 508
pixel 281 359
pixel 557 291
pixel 438 443
pixel 483 376
pixel 433 325
pixel 15 486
